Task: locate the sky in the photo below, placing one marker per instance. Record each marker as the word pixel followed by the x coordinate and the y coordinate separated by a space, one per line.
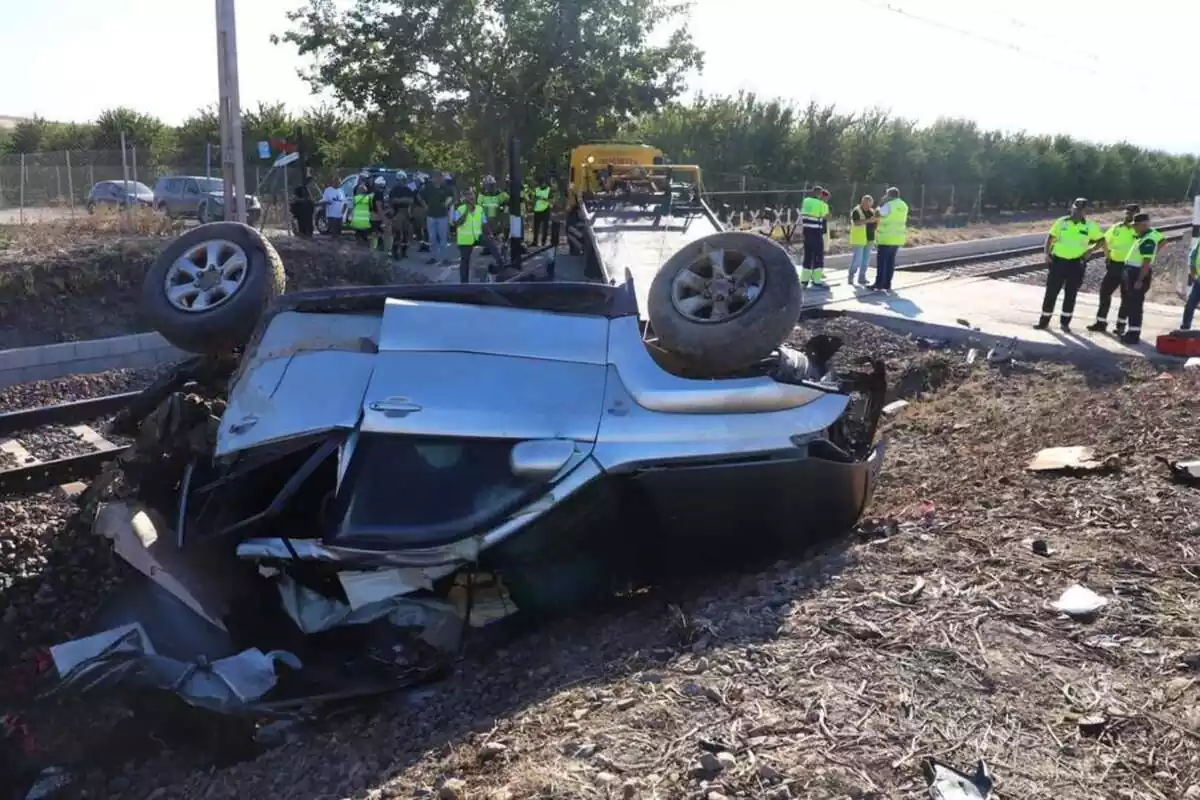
pixel 999 62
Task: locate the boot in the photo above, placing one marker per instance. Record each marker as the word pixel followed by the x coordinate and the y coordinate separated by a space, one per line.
pixel 1042 324
pixel 1119 331
pixel 1132 337
pixel 1099 326
pixel 1065 326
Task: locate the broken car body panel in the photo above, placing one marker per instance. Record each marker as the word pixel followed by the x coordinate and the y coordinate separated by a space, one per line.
pixel 386 452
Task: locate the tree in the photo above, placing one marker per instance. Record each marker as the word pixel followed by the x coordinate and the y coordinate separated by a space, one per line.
pixel 200 129
pixel 551 73
pixel 143 131
pixel 27 135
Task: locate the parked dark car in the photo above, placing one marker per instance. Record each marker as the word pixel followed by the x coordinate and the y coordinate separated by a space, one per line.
pixel 119 194
pixel 199 197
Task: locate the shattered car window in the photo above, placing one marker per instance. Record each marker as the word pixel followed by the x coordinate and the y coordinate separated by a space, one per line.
pixel 416 491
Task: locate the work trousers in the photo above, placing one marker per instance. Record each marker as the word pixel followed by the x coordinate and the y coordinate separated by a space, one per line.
pixel 401 232
pixel 439 233
pixel 860 259
pixel 464 262
pixel 304 218
pixel 885 265
pixel 1066 276
pixel 541 228
pixel 1189 308
pixel 1135 298
pixel 813 269
pixel 333 225
pixel 1114 273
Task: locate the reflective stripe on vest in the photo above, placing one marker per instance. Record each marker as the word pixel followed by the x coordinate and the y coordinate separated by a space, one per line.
pixel 892 230
pixel 1145 249
pixel 1072 238
pixel 470 225
pixel 360 218
pixel 1120 238
pixel 541 199
pixel 812 211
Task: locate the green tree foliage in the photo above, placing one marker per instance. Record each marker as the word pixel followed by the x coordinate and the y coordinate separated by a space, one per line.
pixel 146 132
pixel 27 135
pixel 550 72
pixel 784 146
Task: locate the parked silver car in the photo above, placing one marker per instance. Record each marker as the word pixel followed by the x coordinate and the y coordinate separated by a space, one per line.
pixel 119 194
pixel 199 197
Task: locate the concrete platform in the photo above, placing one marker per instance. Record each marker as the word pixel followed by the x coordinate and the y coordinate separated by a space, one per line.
pixel 996 310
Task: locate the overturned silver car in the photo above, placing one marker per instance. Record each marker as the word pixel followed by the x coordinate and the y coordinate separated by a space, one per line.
pixel 375 469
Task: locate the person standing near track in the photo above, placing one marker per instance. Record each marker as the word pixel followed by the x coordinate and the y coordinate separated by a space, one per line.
pixel 471 225
pixel 1067 247
pixel 862 236
pixel 401 197
pixel 1193 298
pixel 890 236
pixel 814 212
pixel 360 214
pixel 1118 241
pixel 1139 270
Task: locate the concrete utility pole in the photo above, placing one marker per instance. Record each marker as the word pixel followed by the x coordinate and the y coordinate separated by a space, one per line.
pixel 232 163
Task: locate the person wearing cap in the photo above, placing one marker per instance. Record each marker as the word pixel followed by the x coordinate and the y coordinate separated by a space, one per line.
pixel 493 200
pixel 813 214
pixel 1193 298
pixel 1139 270
pixel 1067 247
pixel 380 239
pixel 1118 240
pixel 438 197
pixel 890 236
pixel 360 213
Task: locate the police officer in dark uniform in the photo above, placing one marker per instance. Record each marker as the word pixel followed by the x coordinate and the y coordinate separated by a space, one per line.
pixel 1068 246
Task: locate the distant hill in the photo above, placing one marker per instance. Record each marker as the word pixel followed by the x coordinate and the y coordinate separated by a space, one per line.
pixel 8 123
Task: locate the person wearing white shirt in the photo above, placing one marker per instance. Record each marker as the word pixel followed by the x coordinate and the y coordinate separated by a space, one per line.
pixel 335 209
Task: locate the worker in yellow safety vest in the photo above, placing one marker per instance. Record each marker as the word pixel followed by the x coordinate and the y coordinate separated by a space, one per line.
pixel 814 214
pixel 360 214
pixel 1118 241
pixel 471 226
pixel 890 236
pixel 542 194
pixel 492 200
pixel 863 221
pixel 1067 247
pixel 1193 298
pixel 1139 271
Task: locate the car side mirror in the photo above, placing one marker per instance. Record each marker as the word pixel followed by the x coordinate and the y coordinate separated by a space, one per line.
pixel 539 459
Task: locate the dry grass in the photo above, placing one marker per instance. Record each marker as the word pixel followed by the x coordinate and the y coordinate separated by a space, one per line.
pixel 926 633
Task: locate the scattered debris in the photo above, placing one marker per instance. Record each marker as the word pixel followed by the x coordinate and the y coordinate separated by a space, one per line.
pixel 1185 472
pixel 895 407
pixel 1040 547
pixel 1071 459
pixel 1192 363
pixel 1092 725
pixel 963 322
pixel 972 354
pixel 1079 601
pixel 947 783
pixel 1003 353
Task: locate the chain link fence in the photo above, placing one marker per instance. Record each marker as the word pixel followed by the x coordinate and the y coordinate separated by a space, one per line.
pixel 36 187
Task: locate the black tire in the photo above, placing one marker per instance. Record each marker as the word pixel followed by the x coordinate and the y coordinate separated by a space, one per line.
pixel 228 325
pixel 320 223
pixel 202 213
pixel 714 348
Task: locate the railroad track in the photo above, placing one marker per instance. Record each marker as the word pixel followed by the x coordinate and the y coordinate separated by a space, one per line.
pixel 25 473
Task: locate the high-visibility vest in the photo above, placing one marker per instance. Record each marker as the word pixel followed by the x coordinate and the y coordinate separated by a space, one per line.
pixel 892 230
pixel 360 218
pixel 1120 238
pixel 858 230
pixel 541 199
pixel 1195 258
pixel 491 203
pixel 812 211
pixel 470 225
pixel 1145 249
pixel 1073 238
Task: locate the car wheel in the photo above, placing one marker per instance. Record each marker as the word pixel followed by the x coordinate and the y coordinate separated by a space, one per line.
pixel 725 301
pixel 206 292
pixel 320 223
pixel 202 214
pixel 91 208
pixel 162 209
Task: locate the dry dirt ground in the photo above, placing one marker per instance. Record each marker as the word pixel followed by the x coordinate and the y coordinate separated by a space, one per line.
pixel 832 673
pixel 81 279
